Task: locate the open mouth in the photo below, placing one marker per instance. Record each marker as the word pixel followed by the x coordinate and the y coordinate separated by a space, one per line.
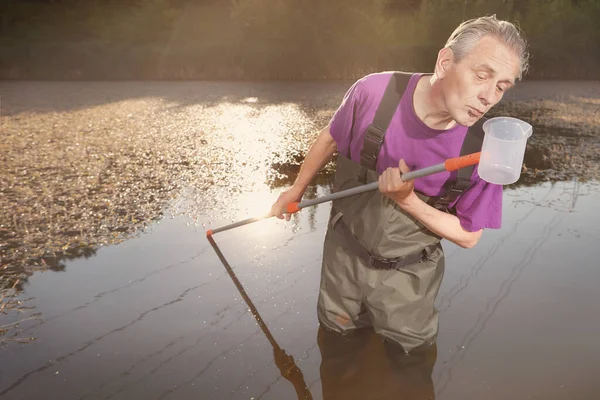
pixel 473 113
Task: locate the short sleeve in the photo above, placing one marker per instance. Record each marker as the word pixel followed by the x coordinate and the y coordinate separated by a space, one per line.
pixel 480 206
pixel 341 123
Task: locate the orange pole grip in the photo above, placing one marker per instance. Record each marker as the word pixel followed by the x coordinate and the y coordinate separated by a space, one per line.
pixel 292 208
pixel 452 164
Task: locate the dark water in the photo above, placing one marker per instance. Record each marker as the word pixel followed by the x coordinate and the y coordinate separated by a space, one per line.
pixel 167 315
pixel 160 317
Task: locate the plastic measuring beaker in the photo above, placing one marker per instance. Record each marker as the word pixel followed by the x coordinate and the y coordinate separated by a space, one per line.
pixel 503 149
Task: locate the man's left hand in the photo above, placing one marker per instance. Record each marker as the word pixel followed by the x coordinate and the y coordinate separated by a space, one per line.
pixel 392 185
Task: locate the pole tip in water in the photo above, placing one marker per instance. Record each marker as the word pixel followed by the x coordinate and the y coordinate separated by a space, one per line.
pixel 209 233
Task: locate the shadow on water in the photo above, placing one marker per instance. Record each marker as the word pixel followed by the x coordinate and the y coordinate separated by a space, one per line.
pixel 284 362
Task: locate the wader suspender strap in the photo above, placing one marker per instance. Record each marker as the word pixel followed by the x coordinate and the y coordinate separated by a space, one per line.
pixel 375 134
pixel 383 116
pixel 454 188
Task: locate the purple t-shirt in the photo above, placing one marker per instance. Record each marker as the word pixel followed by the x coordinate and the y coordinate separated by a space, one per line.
pixel 409 138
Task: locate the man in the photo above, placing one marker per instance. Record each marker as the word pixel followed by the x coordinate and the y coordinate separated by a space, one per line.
pixel 382 261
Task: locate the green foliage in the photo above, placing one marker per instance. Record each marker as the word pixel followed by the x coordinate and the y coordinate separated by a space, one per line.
pixel 123 22
pixel 139 23
pixel 278 38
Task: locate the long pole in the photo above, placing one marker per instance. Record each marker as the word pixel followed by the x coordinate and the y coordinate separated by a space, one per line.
pixel 451 164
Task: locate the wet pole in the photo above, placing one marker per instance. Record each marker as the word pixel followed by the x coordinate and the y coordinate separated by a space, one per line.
pixel 451 164
pixel 286 364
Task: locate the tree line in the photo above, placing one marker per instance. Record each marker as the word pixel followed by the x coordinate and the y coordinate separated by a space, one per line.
pixel 275 39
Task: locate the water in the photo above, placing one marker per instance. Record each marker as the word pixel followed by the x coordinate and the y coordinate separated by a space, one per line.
pixel 160 316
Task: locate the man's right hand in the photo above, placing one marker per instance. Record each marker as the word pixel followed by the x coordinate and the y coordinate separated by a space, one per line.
pixel 285 198
pixel 318 155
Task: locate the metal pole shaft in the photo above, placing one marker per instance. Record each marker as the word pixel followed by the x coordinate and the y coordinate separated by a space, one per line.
pixel 239 223
pixel 339 195
pixel 371 186
pixel 434 169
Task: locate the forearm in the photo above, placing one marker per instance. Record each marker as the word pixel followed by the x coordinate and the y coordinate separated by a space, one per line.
pixel 439 222
pixel 319 154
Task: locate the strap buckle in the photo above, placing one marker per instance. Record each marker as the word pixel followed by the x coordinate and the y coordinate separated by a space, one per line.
pixel 374 134
pixel 372 143
pixel 401 262
pixel 377 262
pixel 460 185
pixel 453 191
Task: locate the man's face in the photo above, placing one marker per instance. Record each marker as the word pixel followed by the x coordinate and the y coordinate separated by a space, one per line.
pixel 475 84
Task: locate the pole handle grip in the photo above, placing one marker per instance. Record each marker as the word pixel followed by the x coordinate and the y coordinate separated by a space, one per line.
pixel 453 164
pixel 292 208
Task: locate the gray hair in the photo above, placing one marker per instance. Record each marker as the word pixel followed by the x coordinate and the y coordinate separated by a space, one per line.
pixel 468 33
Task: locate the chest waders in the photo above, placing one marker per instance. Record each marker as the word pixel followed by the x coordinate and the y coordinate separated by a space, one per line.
pixel 382 267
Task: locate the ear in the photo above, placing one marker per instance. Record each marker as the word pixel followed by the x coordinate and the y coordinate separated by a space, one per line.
pixel 444 61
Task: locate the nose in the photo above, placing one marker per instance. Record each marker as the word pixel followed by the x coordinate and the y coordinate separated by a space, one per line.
pixel 487 95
